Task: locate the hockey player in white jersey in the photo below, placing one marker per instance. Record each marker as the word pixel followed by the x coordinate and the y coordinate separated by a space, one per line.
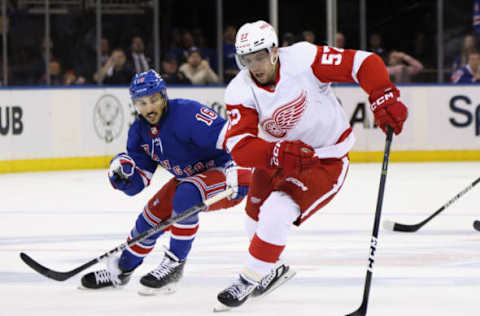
pixel 286 123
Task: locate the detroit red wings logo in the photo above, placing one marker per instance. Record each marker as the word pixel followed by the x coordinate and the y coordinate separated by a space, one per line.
pixel 286 117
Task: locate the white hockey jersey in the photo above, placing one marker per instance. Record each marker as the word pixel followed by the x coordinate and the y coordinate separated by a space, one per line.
pixel 301 105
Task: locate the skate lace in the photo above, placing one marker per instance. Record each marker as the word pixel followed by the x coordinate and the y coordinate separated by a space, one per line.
pixel 104 276
pixel 237 289
pixel 268 278
pixel 164 268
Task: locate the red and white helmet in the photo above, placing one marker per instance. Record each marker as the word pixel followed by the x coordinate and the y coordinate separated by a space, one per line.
pixel 253 37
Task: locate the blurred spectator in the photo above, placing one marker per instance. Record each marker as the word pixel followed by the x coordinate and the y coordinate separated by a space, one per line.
pixel 340 40
pixel 401 67
pixel 308 36
pixel 200 42
pixel 469 73
pixel 229 63
pixel 287 39
pixel 136 59
pixel 69 78
pixel 376 46
pixel 468 46
pixel 116 70
pixel 421 49
pixel 104 50
pixel 198 70
pixel 187 44
pixel 170 72
pixel 56 74
pixel 175 47
pixel 85 50
pixel 39 60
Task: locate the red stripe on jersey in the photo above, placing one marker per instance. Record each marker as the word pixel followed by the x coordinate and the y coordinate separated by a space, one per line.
pixel 182 231
pixel 143 174
pixel 264 251
pixel 344 135
pixel 373 74
pixel 332 65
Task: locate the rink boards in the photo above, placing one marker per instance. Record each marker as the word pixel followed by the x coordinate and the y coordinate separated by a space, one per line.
pixel 82 128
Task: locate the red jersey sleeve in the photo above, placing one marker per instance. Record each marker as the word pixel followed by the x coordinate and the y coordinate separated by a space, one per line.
pixel 242 141
pixel 338 65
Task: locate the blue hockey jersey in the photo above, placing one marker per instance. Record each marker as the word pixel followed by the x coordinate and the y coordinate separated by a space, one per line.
pixel 463 75
pixel 187 140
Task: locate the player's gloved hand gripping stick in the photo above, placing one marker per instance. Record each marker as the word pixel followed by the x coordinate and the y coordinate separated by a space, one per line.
pixel 238 179
pixel 61 276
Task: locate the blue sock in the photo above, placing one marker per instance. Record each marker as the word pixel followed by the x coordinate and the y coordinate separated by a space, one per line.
pixel 186 196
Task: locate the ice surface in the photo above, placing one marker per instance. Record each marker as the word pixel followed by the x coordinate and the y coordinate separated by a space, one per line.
pixel 64 219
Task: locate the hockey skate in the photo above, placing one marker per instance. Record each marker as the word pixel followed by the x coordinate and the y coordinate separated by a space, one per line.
pixel 236 294
pixel 280 274
pixel 112 277
pixel 164 278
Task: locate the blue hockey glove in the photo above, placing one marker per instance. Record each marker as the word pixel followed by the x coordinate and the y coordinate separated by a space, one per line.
pixel 122 167
pixel 238 179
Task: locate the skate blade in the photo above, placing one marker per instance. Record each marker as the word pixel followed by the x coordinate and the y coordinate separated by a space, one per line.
pixel 110 288
pixel 150 291
pixel 287 276
pixel 220 307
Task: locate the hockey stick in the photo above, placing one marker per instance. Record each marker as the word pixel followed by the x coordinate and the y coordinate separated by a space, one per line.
pixel 62 276
pixel 398 227
pixel 362 310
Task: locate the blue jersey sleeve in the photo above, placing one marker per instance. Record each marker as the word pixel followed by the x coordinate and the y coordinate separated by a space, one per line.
pixel 203 125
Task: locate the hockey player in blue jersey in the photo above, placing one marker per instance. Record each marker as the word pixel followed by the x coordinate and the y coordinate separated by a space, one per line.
pixel 186 138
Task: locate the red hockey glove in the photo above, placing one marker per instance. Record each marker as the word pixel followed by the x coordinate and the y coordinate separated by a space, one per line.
pixel 387 108
pixel 291 155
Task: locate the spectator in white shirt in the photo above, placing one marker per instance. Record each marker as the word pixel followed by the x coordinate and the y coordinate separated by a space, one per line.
pixel 198 70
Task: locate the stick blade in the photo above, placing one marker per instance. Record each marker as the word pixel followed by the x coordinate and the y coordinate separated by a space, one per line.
pixel 58 276
pixel 361 311
pixel 398 227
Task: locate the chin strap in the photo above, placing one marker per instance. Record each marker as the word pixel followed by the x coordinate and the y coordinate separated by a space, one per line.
pixel 273 59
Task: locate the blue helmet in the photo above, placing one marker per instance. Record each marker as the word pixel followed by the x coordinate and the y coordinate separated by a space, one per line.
pixel 147 83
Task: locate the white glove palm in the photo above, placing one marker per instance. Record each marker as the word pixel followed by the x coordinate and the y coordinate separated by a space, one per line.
pixel 237 178
pixel 122 166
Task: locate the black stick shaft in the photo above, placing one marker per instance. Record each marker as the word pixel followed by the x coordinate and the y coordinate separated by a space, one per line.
pixel 362 310
pixel 62 276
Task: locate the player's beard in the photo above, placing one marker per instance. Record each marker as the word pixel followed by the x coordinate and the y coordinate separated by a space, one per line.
pixel 160 115
pixel 271 78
